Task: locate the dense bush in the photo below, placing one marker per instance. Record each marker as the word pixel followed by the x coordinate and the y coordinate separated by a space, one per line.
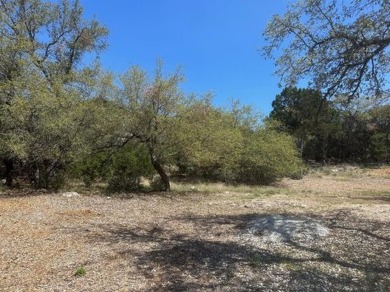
pixel 122 168
pixel 267 156
pixel 128 166
pixel 379 147
pixel 93 167
pixel 233 147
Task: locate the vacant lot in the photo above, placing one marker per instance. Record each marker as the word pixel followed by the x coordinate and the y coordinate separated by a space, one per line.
pixel 327 232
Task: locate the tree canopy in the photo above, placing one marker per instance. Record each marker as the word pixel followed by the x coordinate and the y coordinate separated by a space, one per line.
pixel 63 116
pixel 151 105
pixel 52 36
pixel 341 47
pixel 357 131
pixel 42 46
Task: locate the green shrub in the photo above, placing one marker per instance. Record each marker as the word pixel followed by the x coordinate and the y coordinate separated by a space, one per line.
pixel 262 157
pixel 378 148
pixel 122 168
pixel 48 174
pixel 80 272
pixel 93 167
pixel 128 166
pixel 267 156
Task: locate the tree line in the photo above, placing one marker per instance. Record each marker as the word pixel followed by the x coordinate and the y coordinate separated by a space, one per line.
pixel 62 117
pixel 334 131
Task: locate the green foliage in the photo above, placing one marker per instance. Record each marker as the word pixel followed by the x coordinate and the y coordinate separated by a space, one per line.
pixel 309 118
pixel 81 271
pixel 380 141
pixel 298 108
pixel 209 142
pixel 151 106
pixel 61 118
pixel 42 84
pixel 93 167
pixel 121 168
pixel 379 147
pixel 55 131
pixel 231 146
pixel 14 135
pixel 341 46
pixel 267 156
pixel 51 37
pixel 355 131
pixel 128 165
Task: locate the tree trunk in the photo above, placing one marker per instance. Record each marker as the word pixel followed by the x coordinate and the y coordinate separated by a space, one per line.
pixel 166 186
pixel 9 167
pixel 324 149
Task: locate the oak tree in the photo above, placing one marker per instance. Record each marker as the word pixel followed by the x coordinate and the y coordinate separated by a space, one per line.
pixel 42 46
pixel 341 47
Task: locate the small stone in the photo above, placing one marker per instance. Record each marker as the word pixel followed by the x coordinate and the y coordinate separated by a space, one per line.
pixel 71 194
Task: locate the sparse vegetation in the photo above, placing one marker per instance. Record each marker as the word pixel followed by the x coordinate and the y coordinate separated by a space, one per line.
pixel 80 272
pixel 166 241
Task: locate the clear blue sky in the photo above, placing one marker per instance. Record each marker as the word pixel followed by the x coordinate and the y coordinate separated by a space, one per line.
pixel 215 41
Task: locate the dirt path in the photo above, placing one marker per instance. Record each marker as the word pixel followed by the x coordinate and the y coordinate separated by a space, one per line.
pixel 202 242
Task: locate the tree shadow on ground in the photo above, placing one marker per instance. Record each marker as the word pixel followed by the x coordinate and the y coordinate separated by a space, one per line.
pixel 382 198
pixel 21 192
pixel 180 262
pixel 344 219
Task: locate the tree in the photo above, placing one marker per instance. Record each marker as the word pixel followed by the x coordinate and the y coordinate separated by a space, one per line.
pixel 55 125
pixel 13 133
pixel 365 133
pixel 209 140
pixel 309 118
pixel 380 115
pixel 380 140
pixel 54 36
pixel 342 47
pixel 152 105
pixel 42 44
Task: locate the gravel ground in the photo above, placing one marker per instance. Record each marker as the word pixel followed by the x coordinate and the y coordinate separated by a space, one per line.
pixel 322 233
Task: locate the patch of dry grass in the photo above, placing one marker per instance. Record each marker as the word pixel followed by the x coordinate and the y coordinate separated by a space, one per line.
pixel 210 187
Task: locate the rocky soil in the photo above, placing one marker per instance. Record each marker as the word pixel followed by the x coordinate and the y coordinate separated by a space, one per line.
pixel 329 231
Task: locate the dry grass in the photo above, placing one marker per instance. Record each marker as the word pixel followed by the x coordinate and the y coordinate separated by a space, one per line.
pixel 210 188
pixel 196 238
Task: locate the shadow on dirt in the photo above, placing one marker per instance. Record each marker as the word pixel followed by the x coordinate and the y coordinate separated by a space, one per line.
pixel 181 262
pixel 17 192
pixel 382 198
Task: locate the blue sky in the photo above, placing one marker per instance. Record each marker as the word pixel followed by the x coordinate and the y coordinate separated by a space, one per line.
pixel 216 42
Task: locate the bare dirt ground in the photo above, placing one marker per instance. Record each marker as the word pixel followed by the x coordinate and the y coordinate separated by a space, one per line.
pixel 329 231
